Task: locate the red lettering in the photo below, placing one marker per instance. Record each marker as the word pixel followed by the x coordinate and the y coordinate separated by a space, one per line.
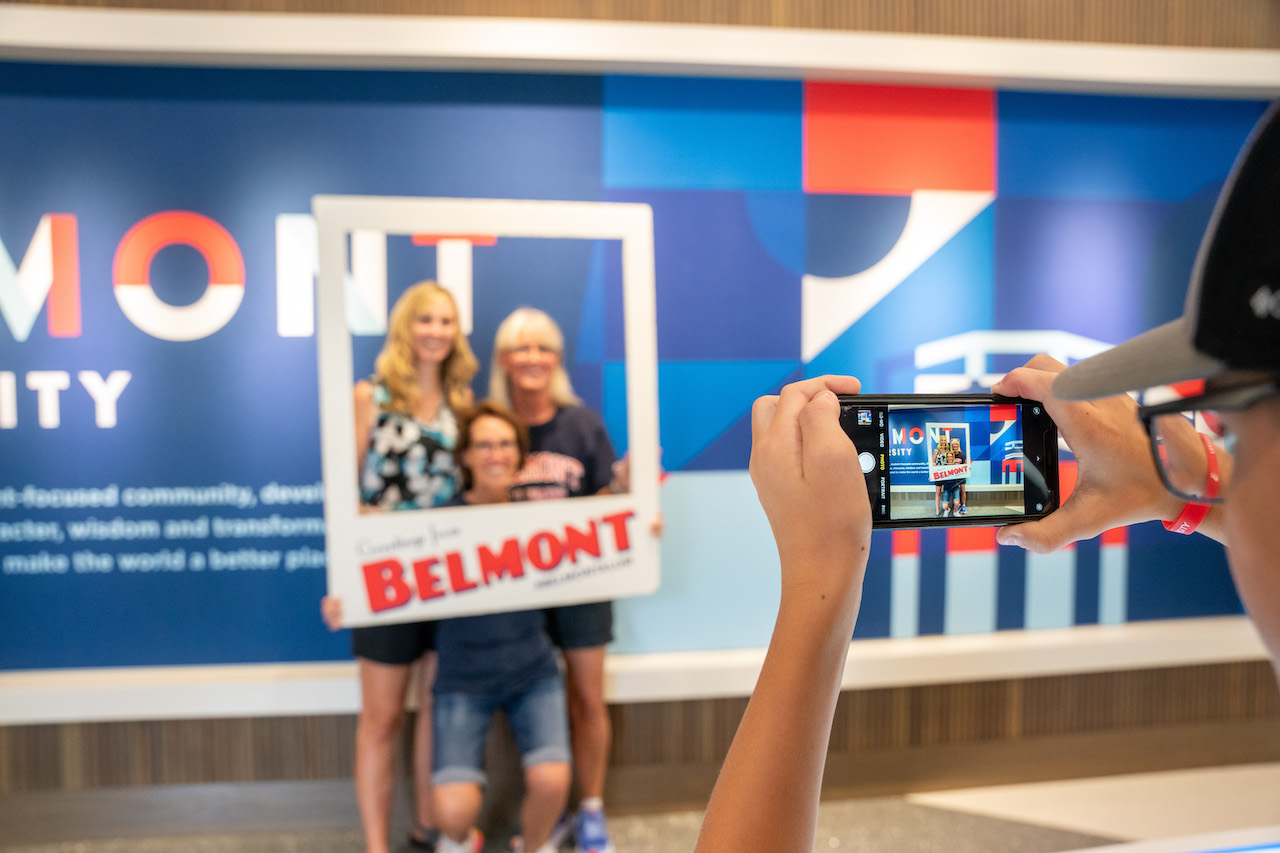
pixel 144 240
pixel 577 541
pixel 457 579
pixel 64 294
pixel 429 583
pixel 507 562
pixel 132 272
pixel 384 581
pixel 618 522
pixel 554 551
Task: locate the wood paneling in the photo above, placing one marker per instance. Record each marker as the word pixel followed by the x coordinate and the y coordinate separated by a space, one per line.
pixel 667 754
pixel 170 752
pixel 1188 23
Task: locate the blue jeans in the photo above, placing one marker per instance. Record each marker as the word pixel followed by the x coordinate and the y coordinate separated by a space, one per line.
pixel 539 721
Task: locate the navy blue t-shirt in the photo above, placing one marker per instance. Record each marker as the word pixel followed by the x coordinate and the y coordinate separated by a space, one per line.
pixel 571 456
pixel 493 652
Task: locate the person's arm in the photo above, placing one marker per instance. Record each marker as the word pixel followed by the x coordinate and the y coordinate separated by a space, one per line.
pixel 1117 483
pixel 366 410
pixel 331 612
pixel 600 455
pixel 621 484
pixel 805 470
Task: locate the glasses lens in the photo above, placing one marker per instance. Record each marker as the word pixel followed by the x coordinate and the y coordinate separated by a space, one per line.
pixel 1182 454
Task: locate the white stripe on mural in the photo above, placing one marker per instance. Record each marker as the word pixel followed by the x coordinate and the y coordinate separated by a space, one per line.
pixel 904 596
pixel 971 593
pixel 1051 590
pixel 1113 584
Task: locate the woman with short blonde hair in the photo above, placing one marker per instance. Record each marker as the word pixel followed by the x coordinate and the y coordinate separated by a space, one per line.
pixel 529 327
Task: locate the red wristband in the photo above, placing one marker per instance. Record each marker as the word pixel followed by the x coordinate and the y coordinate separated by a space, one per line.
pixel 1194 513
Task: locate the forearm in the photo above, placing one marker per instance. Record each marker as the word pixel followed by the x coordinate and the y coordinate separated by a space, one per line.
pixel 766 798
pixel 1212 525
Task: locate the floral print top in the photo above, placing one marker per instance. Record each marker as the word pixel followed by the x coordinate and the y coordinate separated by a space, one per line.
pixel 409 464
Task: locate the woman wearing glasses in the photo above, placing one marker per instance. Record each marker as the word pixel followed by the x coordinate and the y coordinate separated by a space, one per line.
pixel 571 456
pixel 492 661
pixel 1135 465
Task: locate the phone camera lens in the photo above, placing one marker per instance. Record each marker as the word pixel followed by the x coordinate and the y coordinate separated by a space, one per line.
pixel 1035 410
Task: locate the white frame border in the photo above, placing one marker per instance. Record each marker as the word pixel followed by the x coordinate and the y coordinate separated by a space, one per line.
pixel 267 690
pixel 337 217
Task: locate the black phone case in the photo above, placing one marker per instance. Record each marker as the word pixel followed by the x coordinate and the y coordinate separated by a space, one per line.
pixel 1039 465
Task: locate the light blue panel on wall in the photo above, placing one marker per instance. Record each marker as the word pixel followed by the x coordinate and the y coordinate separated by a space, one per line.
pixel 971 593
pixel 1051 590
pixel 904 597
pixel 1113 585
pixel 690 133
pixel 720 584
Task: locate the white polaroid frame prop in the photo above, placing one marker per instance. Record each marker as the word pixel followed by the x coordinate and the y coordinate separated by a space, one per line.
pixel 454 561
pixel 938 473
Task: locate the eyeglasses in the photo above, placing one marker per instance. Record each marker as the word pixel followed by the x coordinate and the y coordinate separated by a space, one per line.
pixel 490 446
pixel 1175 429
pixel 531 349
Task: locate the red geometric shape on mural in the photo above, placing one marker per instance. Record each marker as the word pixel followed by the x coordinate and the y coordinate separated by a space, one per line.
pixel 893 140
pixel 970 539
pixel 906 543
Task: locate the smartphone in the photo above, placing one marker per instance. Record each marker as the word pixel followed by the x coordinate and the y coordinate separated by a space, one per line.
pixel 947 460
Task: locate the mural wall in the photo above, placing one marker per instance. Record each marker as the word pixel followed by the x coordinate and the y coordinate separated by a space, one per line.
pixel 160 492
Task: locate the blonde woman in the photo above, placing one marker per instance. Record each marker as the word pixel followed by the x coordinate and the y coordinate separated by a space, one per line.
pixel 406 430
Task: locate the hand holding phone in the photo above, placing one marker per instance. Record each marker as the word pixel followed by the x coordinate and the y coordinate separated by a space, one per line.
pixel 953 459
pixel 1117 483
pixel 799 457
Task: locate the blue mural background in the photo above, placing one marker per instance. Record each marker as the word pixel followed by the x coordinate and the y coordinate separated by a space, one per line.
pixel 1098 206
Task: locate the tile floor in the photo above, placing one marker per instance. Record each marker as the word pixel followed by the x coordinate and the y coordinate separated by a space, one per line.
pixel 1216 809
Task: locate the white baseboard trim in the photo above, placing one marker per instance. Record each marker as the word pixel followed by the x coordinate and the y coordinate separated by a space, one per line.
pixel 264 690
pixel 257 39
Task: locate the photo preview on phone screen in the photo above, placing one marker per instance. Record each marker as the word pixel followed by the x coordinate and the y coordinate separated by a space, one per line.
pixel 940 461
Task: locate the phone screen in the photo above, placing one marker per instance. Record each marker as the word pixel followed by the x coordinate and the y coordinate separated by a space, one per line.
pixel 934 460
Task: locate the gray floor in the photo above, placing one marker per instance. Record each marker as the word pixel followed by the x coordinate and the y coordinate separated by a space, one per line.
pixel 320 817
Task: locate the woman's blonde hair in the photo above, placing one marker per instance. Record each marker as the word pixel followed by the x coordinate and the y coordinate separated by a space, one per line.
pixel 396 366
pixel 538 325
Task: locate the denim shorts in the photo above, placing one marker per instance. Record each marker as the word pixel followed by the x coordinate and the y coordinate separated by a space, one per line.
pixel 539 721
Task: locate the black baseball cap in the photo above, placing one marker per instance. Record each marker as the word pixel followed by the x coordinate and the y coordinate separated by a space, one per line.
pixel 1232 317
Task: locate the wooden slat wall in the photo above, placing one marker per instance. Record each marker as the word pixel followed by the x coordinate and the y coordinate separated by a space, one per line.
pixel 1188 23
pixel 666 754
pixel 170 752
